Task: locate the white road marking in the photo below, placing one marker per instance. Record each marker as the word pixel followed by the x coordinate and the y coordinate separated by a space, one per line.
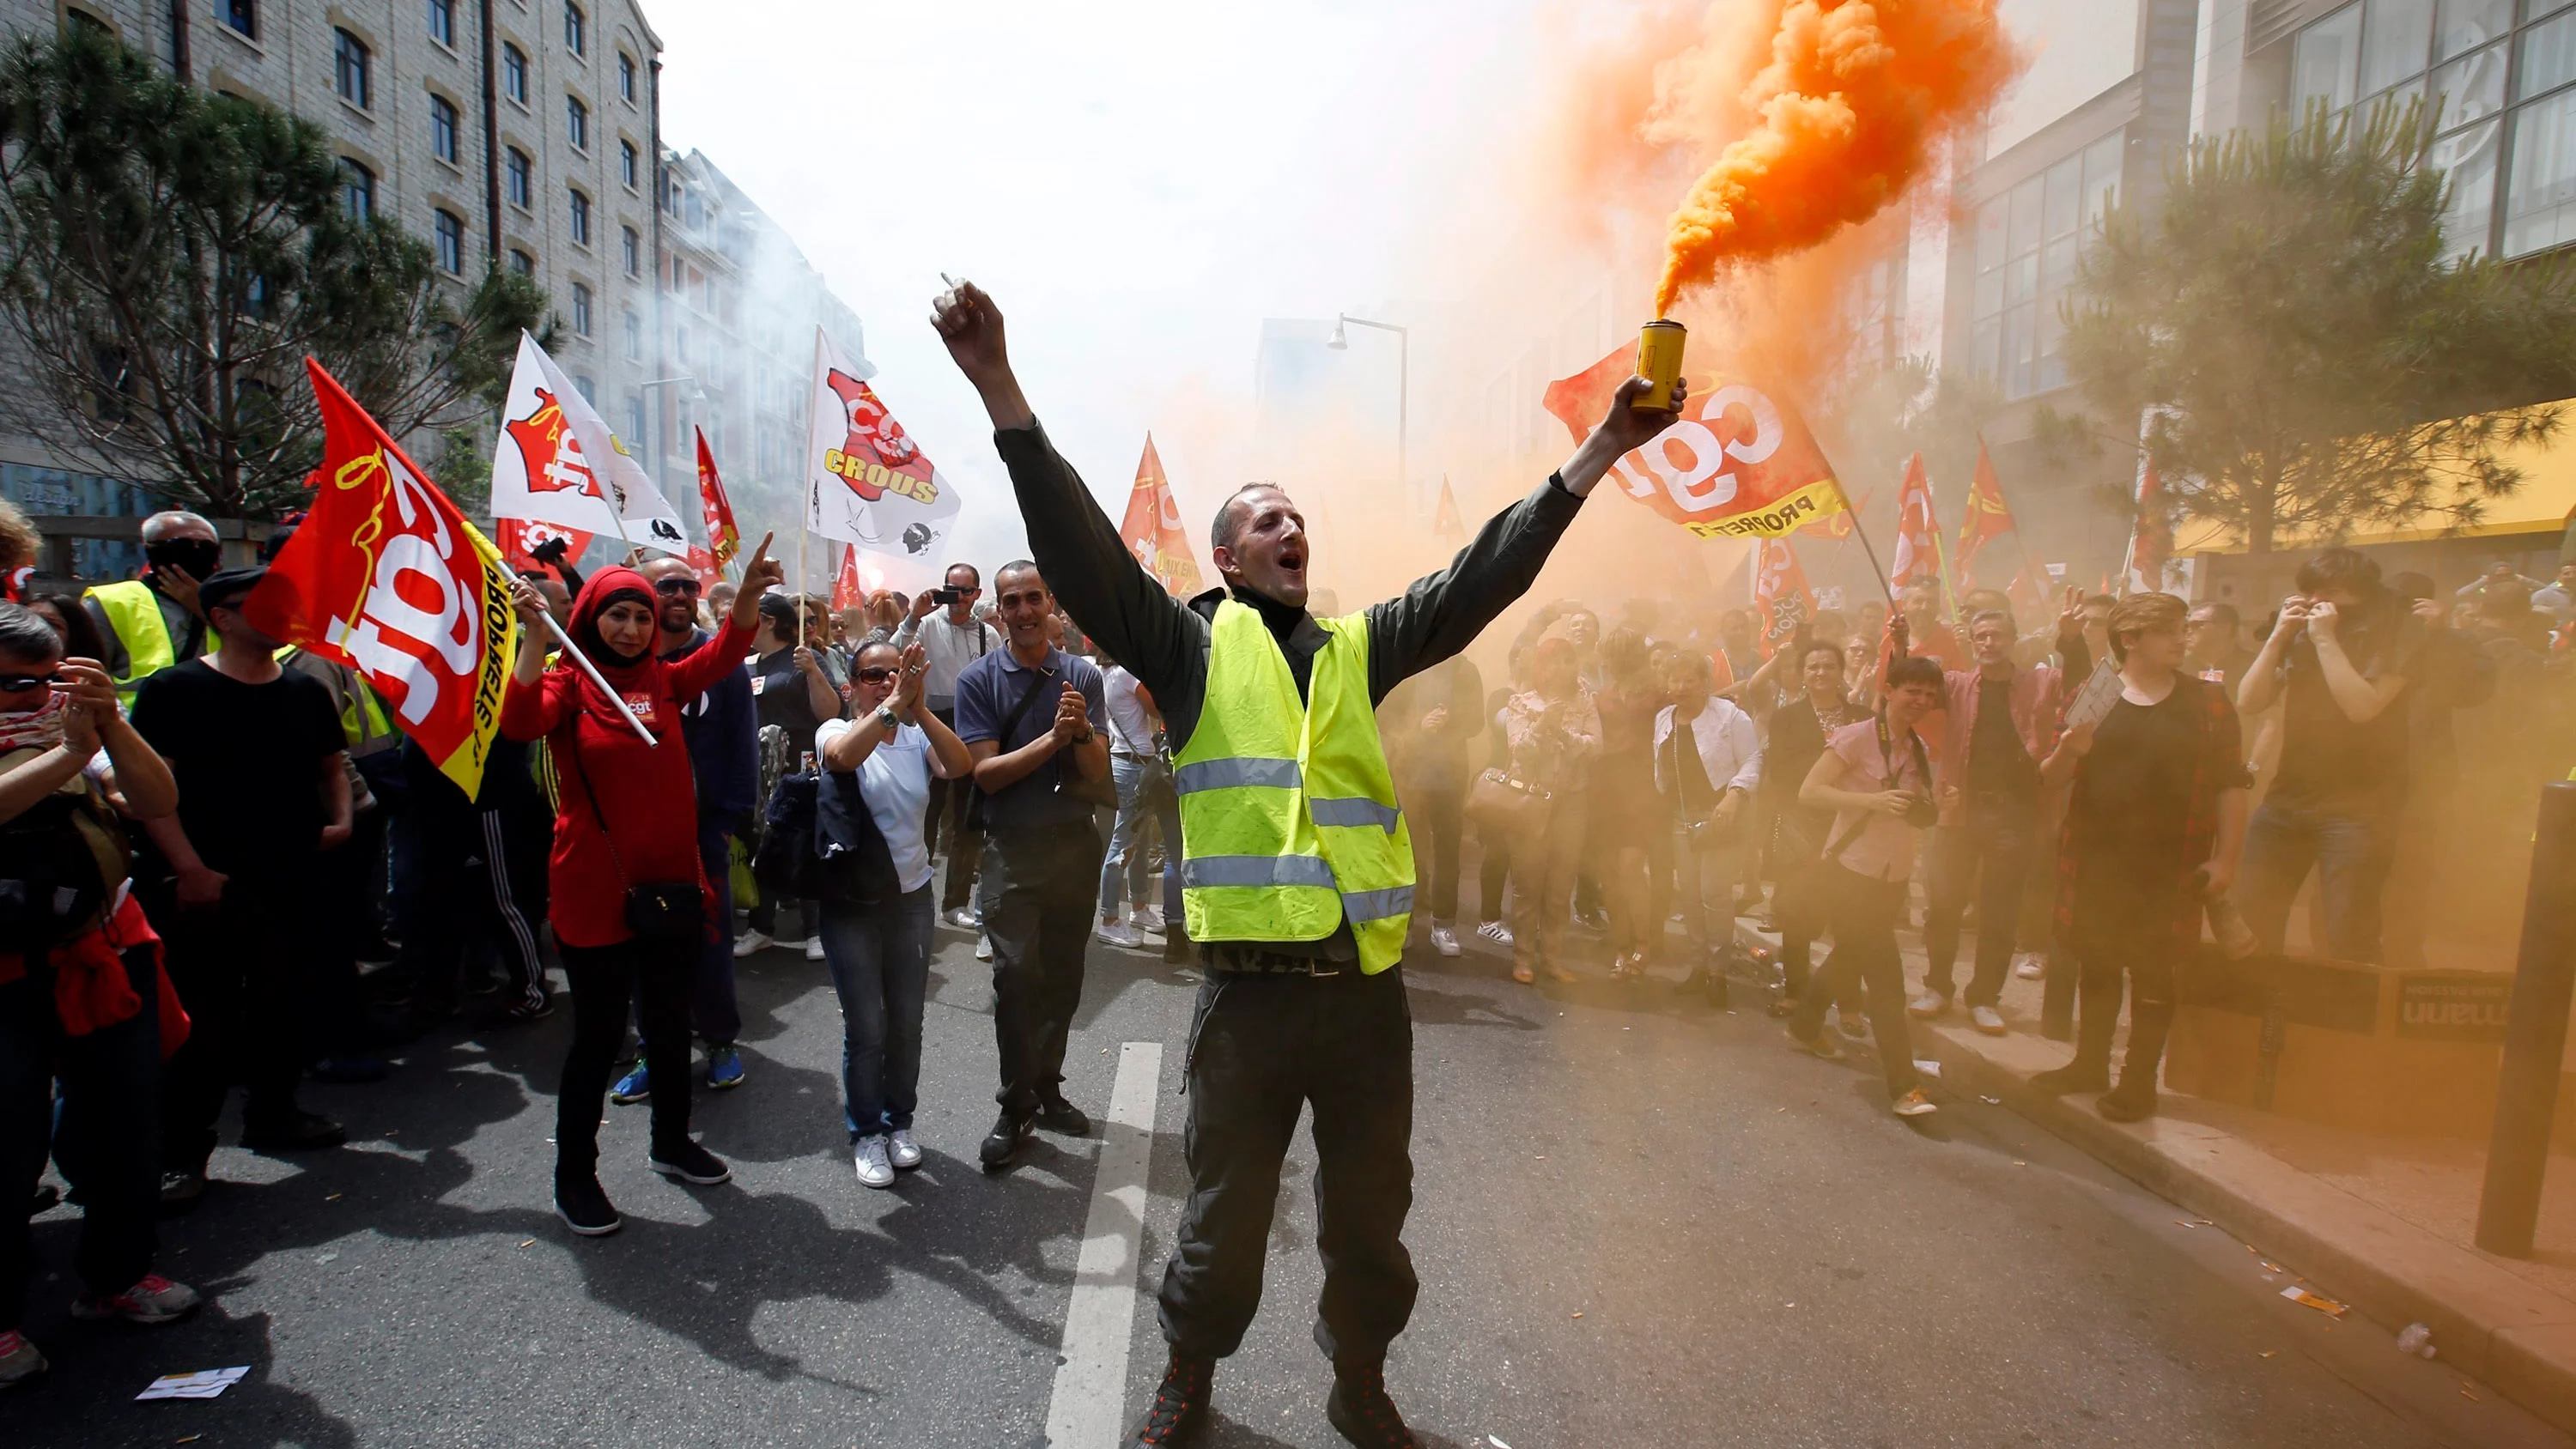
pixel 1087 1410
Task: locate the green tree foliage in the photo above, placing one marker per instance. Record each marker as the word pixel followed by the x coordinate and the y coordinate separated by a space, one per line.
pixel 169 257
pixel 2323 367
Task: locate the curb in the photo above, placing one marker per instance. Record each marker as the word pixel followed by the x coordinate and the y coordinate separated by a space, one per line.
pixel 2488 1322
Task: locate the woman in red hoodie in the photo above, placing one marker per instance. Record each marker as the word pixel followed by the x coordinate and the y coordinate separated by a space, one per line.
pixel 625 859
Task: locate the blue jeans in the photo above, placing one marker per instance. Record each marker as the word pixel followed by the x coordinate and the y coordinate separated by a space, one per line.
pixel 1126 845
pixel 2350 845
pixel 880 960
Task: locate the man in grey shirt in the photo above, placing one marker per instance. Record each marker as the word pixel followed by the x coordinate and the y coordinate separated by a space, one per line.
pixel 951 637
pixel 1281 1025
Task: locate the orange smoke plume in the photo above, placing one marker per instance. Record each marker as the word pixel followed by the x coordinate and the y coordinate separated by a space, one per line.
pixel 1847 101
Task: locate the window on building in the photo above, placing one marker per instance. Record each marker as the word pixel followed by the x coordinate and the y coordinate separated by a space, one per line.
pixel 587 386
pixel 522 263
pixel 626 77
pixel 442 128
pixel 580 216
pixel 350 72
pixel 357 189
pixel 519 173
pixel 634 336
pixel 449 229
pixel 241 15
pixel 672 199
pixel 631 250
pixel 442 22
pixel 576 31
pixel 2027 241
pixel 581 309
pixel 630 165
pixel 576 123
pixel 635 417
pixel 514 73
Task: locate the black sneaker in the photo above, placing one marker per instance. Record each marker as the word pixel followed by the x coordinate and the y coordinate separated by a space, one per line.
pixel 691 1164
pixel 1360 1408
pixel 182 1191
pixel 296 1131
pixel 1004 1139
pixel 584 1207
pixel 1180 1404
pixel 1062 1117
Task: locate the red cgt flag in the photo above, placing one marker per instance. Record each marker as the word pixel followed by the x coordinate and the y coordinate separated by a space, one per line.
pixel 1989 518
pixel 1152 527
pixel 723 539
pixel 1918 529
pixel 387 577
pixel 519 537
pixel 849 591
pixel 1739 464
pixel 1780 591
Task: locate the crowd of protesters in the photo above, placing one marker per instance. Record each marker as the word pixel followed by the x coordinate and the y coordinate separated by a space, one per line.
pixel 221 866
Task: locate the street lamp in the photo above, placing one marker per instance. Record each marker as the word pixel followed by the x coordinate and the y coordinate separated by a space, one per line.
pixel 1340 341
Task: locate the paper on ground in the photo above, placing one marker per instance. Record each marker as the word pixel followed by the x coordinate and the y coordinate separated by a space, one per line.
pixel 203 1384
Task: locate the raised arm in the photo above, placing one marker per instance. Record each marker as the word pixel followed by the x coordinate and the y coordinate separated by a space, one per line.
pixel 1442 613
pixel 1122 607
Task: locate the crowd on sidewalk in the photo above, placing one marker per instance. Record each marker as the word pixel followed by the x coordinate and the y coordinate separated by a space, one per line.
pixel 222 865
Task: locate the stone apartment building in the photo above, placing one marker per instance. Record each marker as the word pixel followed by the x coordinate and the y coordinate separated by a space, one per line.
pixel 522 130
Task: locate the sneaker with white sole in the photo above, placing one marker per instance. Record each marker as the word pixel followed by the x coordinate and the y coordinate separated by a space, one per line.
pixel 1122 936
pixel 1496 932
pixel 19 1360
pixel 2031 967
pixel 869 1156
pixel 1987 1020
pixel 155 1299
pixel 983 948
pixel 814 949
pixel 1926 1004
pixel 752 943
pixel 964 919
pixel 1915 1104
pixel 1444 939
pixel 1148 920
pixel 690 1163
pixel 902 1151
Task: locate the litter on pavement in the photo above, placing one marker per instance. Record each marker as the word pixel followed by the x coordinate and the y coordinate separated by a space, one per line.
pixel 2317 1301
pixel 203 1384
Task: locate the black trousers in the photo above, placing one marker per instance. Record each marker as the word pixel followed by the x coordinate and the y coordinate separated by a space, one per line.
pixel 479 873
pixel 1864 911
pixel 1040 889
pixel 651 978
pixel 1990 850
pixel 109 1140
pixel 1262 1048
pixel 951 814
pixel 245 969
pixel 1443 819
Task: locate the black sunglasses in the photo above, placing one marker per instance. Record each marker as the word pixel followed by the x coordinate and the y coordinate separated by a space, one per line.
pixel 875 674
pixel 676 586
pixel 21 683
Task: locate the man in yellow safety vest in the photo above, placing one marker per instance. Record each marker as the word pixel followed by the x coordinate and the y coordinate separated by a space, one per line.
pixel 1296 869
pixel 154 622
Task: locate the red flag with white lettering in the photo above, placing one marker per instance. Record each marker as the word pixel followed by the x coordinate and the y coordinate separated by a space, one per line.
pixel 1739 464
pixel 387 577
pixel 723 539
pixel 518 539
pixel 1780 591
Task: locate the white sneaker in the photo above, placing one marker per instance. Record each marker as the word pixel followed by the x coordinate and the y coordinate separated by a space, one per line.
pixel 1124 937
pixel 805 944
pixel 1444 939
pixel 1496 932
pixel 752 943
pixel 983 948
pixel 965 919
pixel 1148 921
pixel 903 1152
pixel 870 1159
pixel 2031 968
pixel 814 949
pixel 1927 1004
pixel 1987 1020
pixel 1915 1104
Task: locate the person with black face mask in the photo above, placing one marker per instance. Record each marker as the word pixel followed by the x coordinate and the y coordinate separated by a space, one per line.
pixel 155 621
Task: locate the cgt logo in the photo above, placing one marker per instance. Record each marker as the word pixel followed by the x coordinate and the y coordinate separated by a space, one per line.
pixel 550 452
pixel 876 457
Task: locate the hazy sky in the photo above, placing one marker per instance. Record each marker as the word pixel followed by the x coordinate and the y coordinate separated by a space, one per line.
pixel 1137 184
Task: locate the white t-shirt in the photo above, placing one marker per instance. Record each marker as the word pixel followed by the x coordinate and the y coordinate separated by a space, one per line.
pixel 1131 725
pixel 895 782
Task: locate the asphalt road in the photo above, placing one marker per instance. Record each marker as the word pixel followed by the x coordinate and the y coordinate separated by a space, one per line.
pixel 1639 1221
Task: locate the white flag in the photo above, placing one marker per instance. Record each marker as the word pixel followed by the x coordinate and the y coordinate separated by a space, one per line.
pixel 557 462
pixel 866 481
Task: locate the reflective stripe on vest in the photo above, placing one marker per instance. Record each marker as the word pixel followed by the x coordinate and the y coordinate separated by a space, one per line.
pixel 1289 823
pixel 134 612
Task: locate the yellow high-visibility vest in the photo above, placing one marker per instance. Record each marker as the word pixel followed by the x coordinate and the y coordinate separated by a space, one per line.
pixel 134 612
pixel 1289 822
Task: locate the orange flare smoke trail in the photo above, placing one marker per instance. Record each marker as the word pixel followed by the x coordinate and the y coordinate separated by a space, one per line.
pixel 1847 101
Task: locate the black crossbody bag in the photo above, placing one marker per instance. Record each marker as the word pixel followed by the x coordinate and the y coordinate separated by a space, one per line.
pixel 655 910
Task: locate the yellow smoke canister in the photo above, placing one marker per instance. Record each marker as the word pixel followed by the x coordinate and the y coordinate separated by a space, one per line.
pixel 1659 361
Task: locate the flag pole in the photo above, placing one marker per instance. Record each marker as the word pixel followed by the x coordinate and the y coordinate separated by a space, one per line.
pixel 582 662
pixel 811 497
pixel 1862 534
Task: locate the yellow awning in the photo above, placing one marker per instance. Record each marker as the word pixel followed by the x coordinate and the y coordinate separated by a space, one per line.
pixel 2545 503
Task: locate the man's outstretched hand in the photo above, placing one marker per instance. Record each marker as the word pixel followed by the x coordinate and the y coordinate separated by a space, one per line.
pixel 971 325
pixel 1626 429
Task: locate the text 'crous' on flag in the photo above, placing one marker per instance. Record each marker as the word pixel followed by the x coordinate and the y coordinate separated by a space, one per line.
pixel 866 481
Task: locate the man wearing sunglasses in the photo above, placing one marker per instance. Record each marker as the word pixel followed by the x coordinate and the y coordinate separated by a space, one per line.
pixel 951 637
